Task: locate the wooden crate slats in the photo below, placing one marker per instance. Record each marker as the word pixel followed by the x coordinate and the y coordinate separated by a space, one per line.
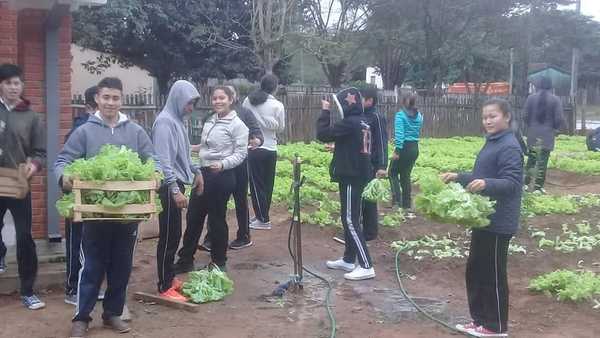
pixel 80 209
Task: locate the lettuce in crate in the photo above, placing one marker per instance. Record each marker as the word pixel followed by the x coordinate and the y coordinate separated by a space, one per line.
pixel 112 163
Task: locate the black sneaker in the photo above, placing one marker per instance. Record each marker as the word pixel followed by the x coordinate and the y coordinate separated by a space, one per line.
pixel 240 243
pixel 205 246
pixel 2 265
pixel 183 267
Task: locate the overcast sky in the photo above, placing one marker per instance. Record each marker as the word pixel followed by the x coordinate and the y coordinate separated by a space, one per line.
pixel 591 8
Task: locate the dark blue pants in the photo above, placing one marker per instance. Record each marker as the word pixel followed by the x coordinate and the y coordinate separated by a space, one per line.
pixel 72 248
pixel 106 248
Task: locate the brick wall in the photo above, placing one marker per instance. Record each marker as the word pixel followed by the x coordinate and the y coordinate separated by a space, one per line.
pixel 8 36
pixel 23 40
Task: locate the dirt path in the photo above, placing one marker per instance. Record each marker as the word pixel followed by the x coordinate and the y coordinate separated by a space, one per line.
pixel 364 309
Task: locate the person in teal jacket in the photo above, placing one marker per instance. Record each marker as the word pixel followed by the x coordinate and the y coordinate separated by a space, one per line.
pixel 407 126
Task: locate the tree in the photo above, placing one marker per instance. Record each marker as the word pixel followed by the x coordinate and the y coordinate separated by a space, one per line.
pixel 332 33
pixel 192 39
pixel 272 21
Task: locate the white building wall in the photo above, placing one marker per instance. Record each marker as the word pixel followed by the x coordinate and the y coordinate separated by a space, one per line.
pixel 135 80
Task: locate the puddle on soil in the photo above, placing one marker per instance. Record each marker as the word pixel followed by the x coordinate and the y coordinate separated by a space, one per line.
pixel 392 307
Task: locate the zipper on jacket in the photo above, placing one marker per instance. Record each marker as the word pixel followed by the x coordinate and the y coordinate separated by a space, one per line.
pixel 209 131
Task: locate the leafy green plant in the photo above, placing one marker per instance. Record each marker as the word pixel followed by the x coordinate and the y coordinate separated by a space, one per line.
pixel 451 203
pixel 567 285
pixel 430 246
pixel 111 164
pixel 207 286
pixel 376 190
pixel 394 219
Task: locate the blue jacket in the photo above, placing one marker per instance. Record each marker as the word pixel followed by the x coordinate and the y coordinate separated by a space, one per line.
pixel 407 128
pixel 500 164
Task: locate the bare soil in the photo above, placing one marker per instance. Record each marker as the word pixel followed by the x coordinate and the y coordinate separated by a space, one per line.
pixel 362 309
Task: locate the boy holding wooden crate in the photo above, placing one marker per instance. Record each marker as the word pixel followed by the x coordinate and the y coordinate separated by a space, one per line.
pixel 106 246
pixel 22 137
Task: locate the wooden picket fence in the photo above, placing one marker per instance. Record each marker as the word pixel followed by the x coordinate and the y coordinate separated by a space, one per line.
pixel 444 115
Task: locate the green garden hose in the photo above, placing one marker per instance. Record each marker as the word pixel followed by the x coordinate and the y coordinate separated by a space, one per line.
pixel 416 306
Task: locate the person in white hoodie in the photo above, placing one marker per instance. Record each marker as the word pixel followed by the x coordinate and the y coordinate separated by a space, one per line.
pixel 270 115
pixel 223 147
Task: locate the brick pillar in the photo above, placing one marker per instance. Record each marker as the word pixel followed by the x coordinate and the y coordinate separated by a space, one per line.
pixel 31 56
pixel 8 35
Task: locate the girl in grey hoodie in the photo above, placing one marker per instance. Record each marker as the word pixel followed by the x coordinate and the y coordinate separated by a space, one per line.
pixel 224 146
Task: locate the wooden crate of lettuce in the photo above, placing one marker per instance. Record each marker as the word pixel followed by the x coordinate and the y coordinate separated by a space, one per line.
pixel 122 200
pixel 115 185
pixel 13 182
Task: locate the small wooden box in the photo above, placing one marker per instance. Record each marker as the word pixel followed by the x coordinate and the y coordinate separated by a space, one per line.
pixel 13 182
pixel 131 209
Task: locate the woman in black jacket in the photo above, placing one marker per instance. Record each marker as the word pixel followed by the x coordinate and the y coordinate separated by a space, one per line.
pixel 498 174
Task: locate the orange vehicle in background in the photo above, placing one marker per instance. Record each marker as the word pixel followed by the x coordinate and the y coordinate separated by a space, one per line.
pixel 491 88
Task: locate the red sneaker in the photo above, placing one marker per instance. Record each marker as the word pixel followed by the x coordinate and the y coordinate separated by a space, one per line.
pixel 174 295
pixel 481 331
pixel 176 284
pixel 466 327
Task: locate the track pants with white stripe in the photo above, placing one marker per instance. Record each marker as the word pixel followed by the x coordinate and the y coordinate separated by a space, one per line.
pixel 487 284
pixel 72 251
pixel 169 223
pixel 351 214
pixel 106 249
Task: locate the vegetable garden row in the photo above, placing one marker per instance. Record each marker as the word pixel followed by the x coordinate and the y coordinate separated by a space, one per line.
pixel 451 205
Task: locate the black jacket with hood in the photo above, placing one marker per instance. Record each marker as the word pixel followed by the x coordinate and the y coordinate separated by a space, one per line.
pixel 352 136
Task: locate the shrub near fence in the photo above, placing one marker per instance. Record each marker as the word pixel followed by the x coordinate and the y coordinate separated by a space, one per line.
pixel 444 116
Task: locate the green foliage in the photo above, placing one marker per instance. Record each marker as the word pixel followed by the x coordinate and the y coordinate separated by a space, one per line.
pixel 580 237
pixel 451 203
pixel 65 205
pixel 393 220
pixel 111 164
pixel 377 191
pixel 430 246
pixel 170 39
pixel 540 204
pixel 207 286
pixel 567 285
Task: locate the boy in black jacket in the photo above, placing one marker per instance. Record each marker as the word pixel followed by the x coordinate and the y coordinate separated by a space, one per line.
pixel 351 168
pixel 379 157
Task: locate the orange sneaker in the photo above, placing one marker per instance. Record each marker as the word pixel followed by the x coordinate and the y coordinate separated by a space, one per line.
pixel 177 284
pixel 173 294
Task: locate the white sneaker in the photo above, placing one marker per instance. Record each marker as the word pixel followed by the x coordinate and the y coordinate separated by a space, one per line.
pixel 258 225
pixel 340 265
pixel 360 273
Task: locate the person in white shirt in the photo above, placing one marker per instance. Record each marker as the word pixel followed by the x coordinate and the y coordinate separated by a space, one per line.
pixel 270 114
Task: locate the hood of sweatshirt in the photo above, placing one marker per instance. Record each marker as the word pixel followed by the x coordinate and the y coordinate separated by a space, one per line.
pixel 349 102
pixel 181 93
